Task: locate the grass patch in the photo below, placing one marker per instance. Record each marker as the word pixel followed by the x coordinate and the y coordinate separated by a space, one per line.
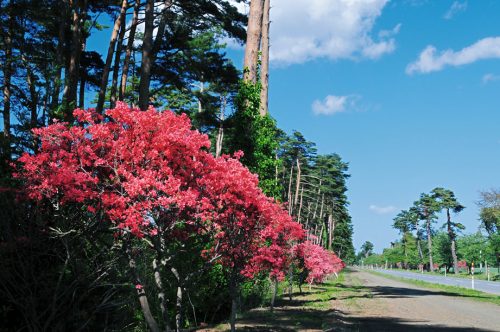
pixel 311 310
pixel 494 276
pixel 451 290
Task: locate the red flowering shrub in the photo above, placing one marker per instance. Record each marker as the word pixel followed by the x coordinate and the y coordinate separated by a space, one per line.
pixel 462 265
pixel 318 261
pixel 129 166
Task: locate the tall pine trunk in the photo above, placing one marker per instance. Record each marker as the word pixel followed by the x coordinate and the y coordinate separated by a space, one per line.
pixel 54 103
pixel 254 31
pixel 128 52
pixel 451 235
pixel 109 58
pixel 7 76
pixel 147 47
pixel 429 243
pixel 220 134
pixel 264 76
pixel 116 64
pixel 79 8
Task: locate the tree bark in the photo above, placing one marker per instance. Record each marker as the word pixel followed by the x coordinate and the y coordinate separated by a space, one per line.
pixel 429 244
pixel 128 52
pixel 178 309
pixel 300 204
pixel 147 47
pixel 7 76
pixel 109 57
pixel 161 293
pixel 141 295
pixel 54 103
pixel 297 184
pixel 254 31
pixel 331 230
pixel 451 235
pixel 275 291
pixel 220 134
pixel 178 301
pixel 264 76
pixel 290 202
pixel 79 8
pixel 233 292
pixel 81 97
pixel 116 64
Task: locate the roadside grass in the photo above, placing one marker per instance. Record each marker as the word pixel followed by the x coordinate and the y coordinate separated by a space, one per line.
pixel 313 309
pixel 451 290
pixel 494 276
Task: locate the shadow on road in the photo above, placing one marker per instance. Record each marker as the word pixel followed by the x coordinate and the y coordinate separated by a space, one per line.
pixel 300 314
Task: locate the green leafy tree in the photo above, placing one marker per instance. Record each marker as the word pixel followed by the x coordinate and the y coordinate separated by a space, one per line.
pixel 489 215
pixel 367 248
pixel 446 200
pixel 427 208
pixel 404 222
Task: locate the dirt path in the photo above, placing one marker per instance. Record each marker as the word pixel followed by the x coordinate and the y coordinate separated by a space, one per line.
pixel 361 301
pixel 387 305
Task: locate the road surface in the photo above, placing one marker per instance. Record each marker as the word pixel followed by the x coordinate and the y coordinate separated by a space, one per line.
pixel 382 304
pixel 492 287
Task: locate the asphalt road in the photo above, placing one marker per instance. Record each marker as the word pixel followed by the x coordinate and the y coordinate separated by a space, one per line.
pixel 492 287
pixel 397 306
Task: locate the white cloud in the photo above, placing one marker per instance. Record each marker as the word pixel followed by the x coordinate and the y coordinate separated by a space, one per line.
pixel 303 30
pixel 333 104
pixel 430 60
pixel 382 209
pixel 332 29
pixel 490 78
pixel 455 8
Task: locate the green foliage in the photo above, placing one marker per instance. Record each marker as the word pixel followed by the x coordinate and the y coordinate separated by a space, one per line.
pixel 256 136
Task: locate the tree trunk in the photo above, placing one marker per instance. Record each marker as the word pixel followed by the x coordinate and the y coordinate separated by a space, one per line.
pixel 451 235
pixel 116 64
pixel 290 202
pixel 70 89
pixel 147 47
pixel 161 293
pixel 264 76
pixel 419 247
pixel 233 292
pixel 297 184
pixel 109 58
pixel 253 40
pixel 141 295
pixel 178 309
pixel 128 52
pixel 317 201
pixel 331 229
pixel 429 244
pixel 275 291
pixel 300 204
pixel 83 81
pixel 54 103
pixel 220 134
pixel 7 76
pixel 81 98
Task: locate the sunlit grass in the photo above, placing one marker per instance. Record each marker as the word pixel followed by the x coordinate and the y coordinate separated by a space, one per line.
pixel 452 290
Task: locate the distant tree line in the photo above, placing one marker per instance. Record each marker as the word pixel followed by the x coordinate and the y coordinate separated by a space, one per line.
pixel 423 245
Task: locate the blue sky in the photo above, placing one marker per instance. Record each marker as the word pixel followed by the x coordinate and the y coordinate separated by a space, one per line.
pixel 404 132
pixel 406 91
